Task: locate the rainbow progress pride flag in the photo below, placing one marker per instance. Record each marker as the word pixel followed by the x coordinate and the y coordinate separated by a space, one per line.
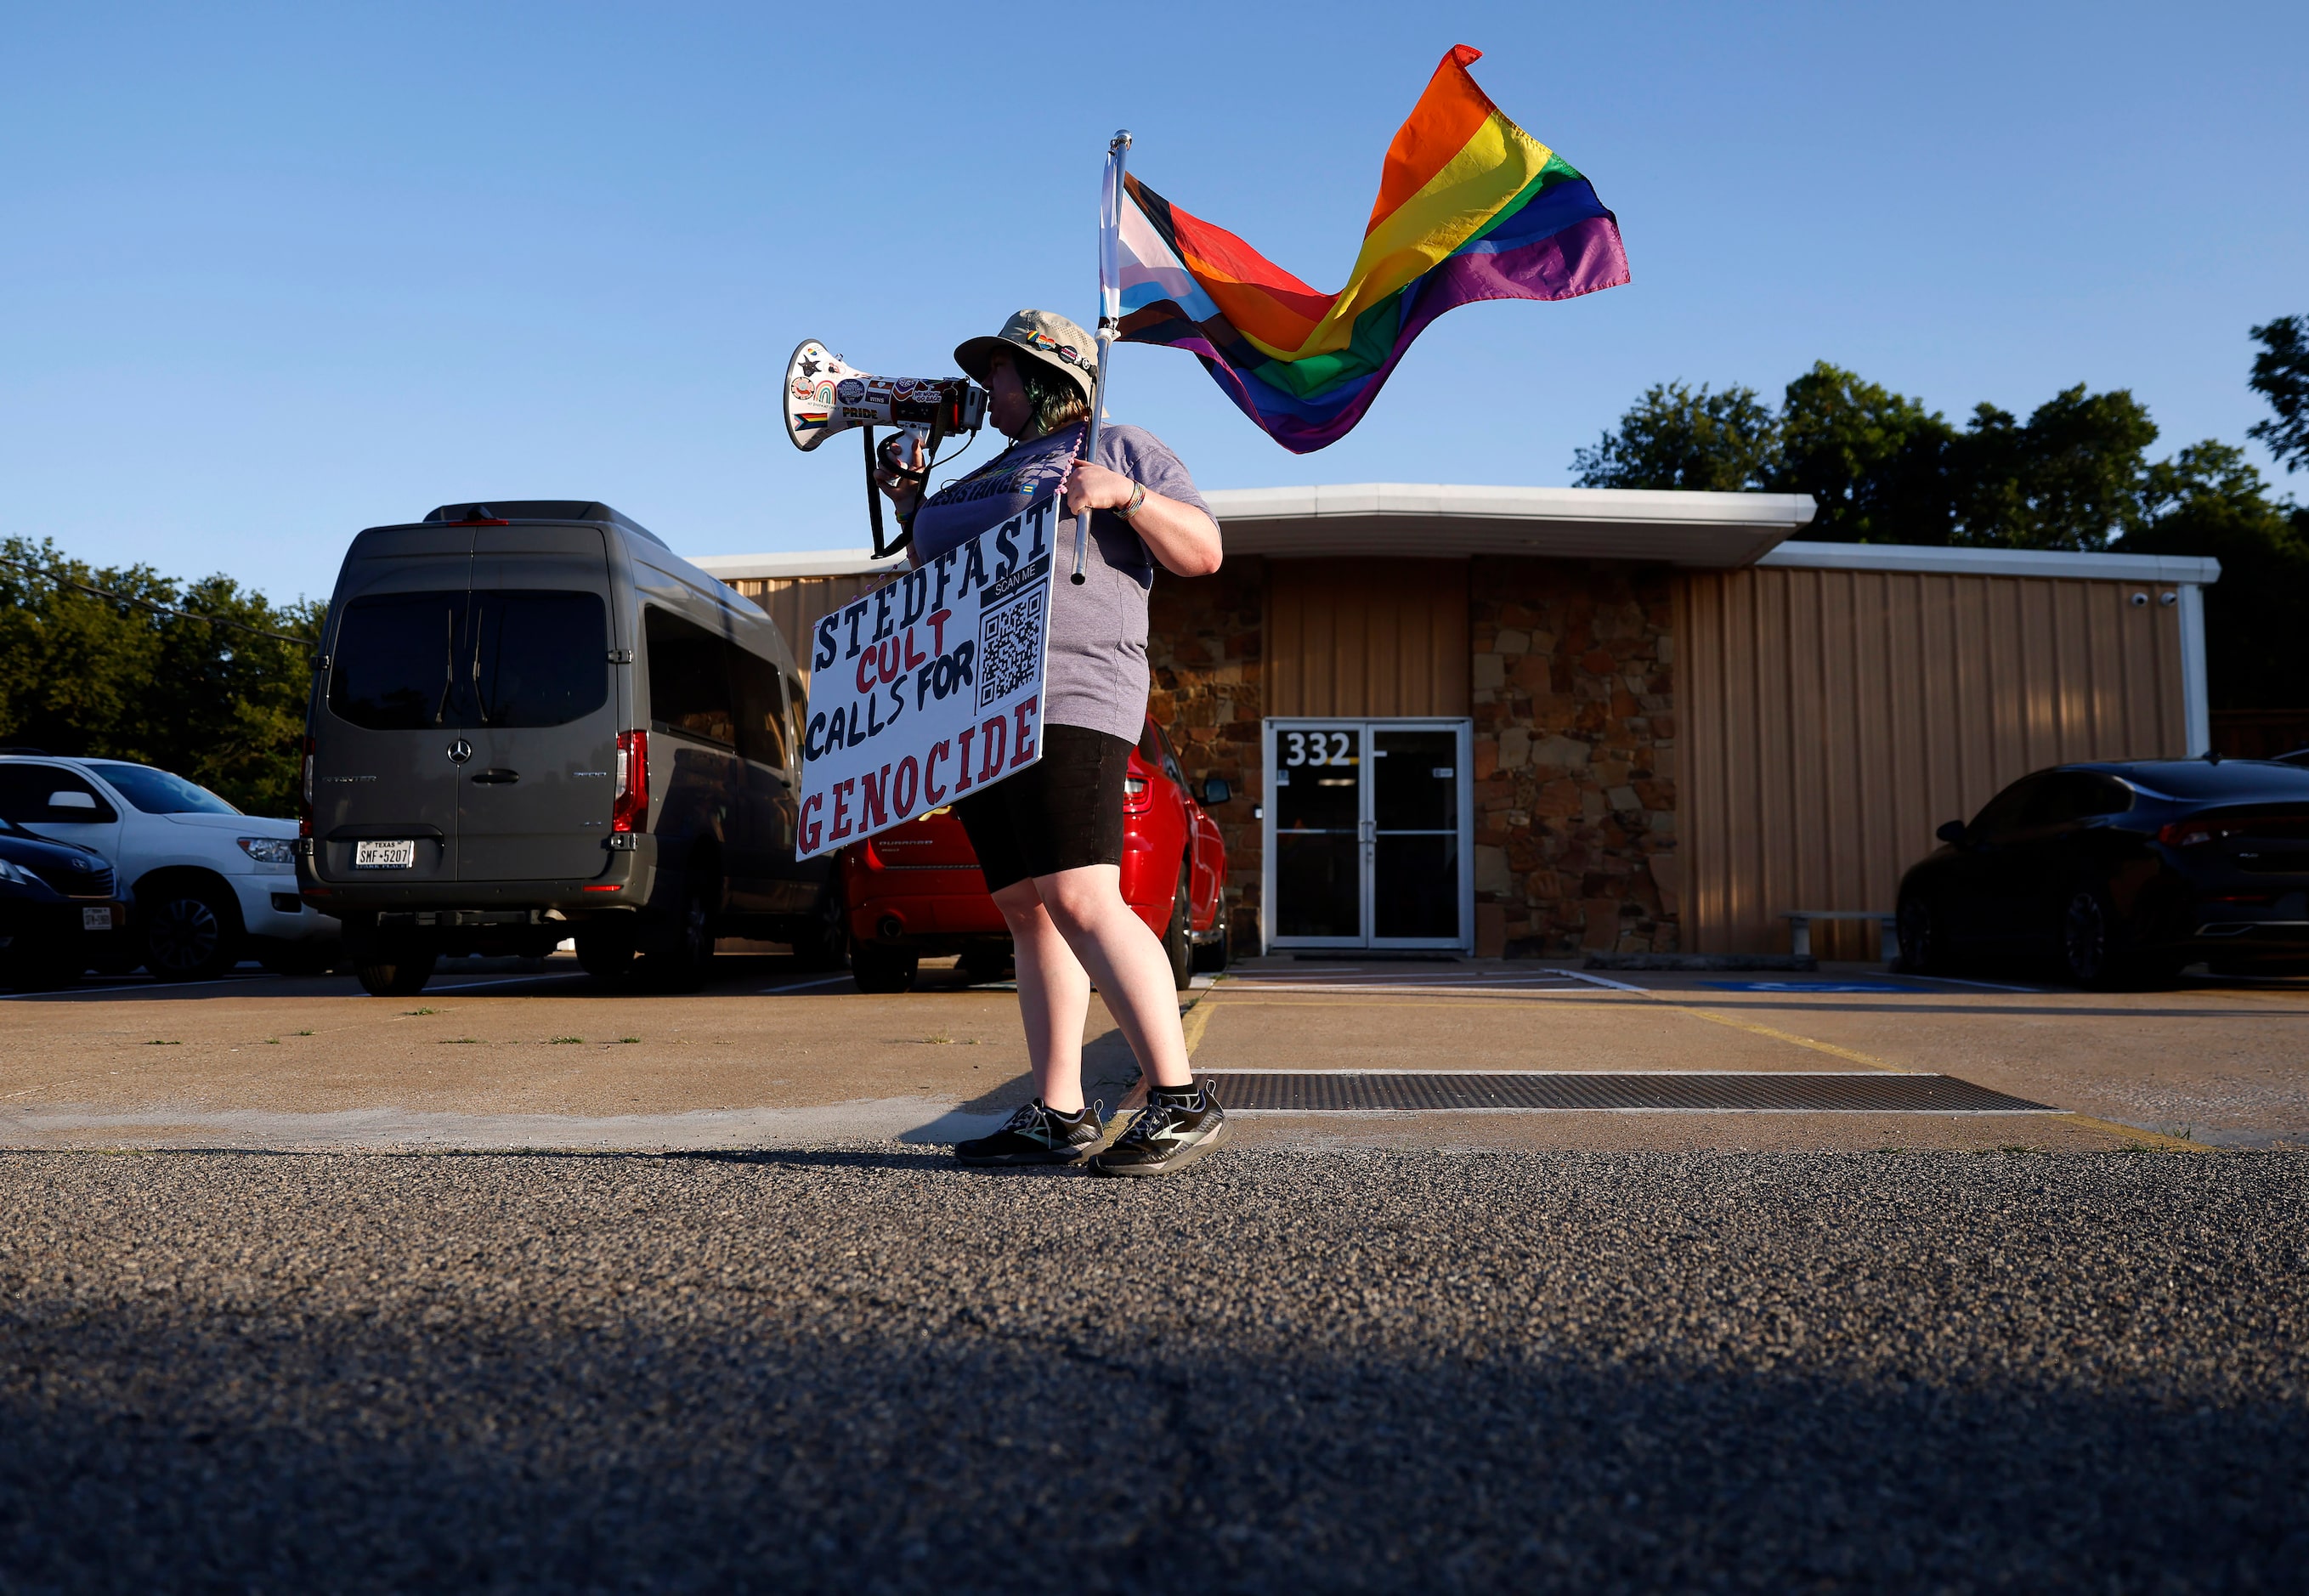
pixel 1470 207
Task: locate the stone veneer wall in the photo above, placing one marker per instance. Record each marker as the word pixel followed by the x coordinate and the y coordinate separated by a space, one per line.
pixel 1575 757
pixel 1203 649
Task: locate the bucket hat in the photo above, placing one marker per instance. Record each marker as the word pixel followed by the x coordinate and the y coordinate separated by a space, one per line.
pixel 1044 335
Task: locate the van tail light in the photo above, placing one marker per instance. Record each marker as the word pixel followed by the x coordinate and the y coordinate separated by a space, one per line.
pixel 305 795
pixel 630 812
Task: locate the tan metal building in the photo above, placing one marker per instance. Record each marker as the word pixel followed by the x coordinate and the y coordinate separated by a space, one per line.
pixel 1549 720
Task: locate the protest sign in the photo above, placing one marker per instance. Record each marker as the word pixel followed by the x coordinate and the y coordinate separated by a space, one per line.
pixel 929 688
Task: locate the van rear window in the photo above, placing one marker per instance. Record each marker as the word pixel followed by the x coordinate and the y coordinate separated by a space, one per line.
pixel 393 665
pixel 498 657
pixel 539 658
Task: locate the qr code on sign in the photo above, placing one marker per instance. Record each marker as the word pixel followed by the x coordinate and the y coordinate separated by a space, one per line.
pixel 1009 648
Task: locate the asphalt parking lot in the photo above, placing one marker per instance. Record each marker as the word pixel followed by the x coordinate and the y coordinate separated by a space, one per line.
pixel 517 1285
pixel 858 1368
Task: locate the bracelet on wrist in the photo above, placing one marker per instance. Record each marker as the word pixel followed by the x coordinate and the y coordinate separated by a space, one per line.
pixel 1138 499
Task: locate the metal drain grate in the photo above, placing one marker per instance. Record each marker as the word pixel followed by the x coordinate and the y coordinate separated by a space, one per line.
pixel 1290 1091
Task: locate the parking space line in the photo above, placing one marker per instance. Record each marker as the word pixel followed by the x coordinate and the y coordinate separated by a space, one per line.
pixel 1959 981
pixel 1513 984
pixel 823 980
pixel 1830 1048
pixel 1349 975
pixel 1329 983
pixel 1597 980
pixel 1194 1022
pixel 508 981
pixel 1466 991
pixel 221 980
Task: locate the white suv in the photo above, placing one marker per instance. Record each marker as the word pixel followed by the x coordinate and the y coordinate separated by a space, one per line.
pixel 212 885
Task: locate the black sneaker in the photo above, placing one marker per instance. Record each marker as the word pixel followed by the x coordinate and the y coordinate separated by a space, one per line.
pixel 1037 1134
pixel 1173 1131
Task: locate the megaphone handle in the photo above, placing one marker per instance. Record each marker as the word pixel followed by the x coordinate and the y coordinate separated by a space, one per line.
pixel 873 493
pixel 874 507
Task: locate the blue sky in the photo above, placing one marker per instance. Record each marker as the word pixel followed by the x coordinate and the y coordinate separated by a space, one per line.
pixel 273 273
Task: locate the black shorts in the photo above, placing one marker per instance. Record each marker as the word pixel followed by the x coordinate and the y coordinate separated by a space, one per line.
pixel 1062 813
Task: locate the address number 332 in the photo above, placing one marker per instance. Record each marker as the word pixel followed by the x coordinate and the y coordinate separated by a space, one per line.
pixel 1318 748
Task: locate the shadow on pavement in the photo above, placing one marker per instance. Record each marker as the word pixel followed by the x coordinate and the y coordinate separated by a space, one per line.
pixel 847 1370
pixel 896 1451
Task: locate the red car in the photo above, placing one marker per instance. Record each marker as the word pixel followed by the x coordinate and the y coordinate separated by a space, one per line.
pixel 915 890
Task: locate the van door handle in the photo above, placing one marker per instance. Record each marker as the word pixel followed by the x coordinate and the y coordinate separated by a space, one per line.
pixel 496 777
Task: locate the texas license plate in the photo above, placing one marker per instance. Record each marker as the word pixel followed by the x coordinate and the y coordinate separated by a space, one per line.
pixel 384 856
pixel 96 919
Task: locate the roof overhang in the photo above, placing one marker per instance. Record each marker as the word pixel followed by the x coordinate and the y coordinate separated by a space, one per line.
pixel 818 562
pixel 2149 568
pixel 1442 520
pixel 1697 531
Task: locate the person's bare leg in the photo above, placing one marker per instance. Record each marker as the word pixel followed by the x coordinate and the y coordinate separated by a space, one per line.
pixel 1054 995
pixel 1126 960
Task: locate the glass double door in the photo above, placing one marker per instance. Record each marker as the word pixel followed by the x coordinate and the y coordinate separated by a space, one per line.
pixel 1367 826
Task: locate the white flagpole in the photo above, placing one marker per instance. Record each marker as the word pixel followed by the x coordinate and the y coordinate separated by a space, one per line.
pixel 1110 315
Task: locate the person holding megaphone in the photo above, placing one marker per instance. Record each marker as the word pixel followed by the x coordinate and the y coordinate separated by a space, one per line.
pixel 1049 838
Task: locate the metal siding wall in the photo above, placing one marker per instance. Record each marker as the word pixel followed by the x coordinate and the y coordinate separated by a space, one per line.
pixel 799 603
pixel 1836 717
pixel 1367 637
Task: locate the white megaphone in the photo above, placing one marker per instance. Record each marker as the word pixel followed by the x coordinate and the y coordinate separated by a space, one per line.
pixel 825 396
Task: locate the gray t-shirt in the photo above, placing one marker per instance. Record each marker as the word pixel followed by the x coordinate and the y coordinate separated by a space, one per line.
pixel 1098 631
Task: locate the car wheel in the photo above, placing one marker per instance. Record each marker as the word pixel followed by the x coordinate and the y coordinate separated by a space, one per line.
pixel 401 973
pixel 1177 944
pixel 683 954
pixel 2090 933
pixel 824 943
pixel 605 951
pixel 883 969
pixel 189 936
pixel 1923 951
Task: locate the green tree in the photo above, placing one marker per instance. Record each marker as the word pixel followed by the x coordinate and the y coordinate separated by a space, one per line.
pixel 2068 478
pixel 2208 499
pixel 1677 437
pixel 1874 461
pixel 223 705
pixel 2280 375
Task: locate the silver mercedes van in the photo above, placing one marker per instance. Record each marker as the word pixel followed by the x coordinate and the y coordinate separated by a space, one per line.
pixel 533 721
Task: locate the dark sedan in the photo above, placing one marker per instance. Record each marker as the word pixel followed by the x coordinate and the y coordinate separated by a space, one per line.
pixel 60 912
pixel 2123 872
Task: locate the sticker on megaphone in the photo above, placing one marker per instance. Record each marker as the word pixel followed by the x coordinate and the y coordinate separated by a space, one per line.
pixel 825 396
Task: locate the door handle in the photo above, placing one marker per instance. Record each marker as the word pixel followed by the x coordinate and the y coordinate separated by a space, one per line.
pixel 496 777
